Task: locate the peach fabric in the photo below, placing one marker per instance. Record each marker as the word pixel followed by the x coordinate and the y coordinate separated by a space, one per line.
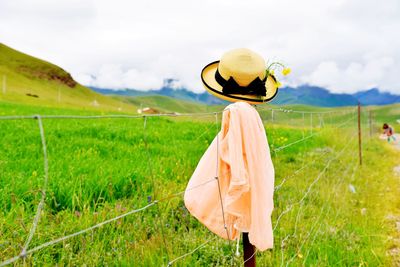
pixel 246 177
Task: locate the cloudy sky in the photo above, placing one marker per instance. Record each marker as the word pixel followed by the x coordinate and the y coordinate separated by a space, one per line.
pixel 344 45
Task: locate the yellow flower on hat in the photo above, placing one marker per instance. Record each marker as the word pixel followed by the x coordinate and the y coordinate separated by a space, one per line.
pixel 278 84
pixel 286 71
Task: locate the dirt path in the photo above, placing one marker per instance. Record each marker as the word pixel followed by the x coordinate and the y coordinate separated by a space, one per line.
pixel 394 251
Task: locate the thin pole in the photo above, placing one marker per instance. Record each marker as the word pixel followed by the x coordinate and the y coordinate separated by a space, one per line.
pixel 370 123
pixel 320 121
pixel 249 256
pixel 359 133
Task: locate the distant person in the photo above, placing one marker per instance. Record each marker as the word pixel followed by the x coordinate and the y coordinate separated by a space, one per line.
pixel 389 132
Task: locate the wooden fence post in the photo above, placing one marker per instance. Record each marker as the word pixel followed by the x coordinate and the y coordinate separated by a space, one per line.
pixel 359 133
pixel 249 255
pixel 272 115
pixel 370 123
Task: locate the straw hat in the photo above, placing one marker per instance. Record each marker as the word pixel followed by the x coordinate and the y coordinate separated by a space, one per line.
pixel 240 75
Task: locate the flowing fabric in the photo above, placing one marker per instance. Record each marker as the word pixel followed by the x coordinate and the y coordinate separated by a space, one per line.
pixel 246 179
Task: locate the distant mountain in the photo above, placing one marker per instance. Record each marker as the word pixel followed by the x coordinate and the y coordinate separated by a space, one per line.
pixel 375 97
pixel 313 95
pixel 317 96
pixel 166 90
pixel 305 94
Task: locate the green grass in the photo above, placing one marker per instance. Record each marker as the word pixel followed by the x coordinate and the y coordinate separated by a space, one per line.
pixel 100 169
pixel 388 114
pixel 168 104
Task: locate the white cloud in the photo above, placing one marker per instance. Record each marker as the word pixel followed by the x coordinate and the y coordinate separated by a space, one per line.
pixel 355 75
pixel 114 77
pixel 346 45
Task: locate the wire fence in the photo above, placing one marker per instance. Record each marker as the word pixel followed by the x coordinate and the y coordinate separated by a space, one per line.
pixel 26 250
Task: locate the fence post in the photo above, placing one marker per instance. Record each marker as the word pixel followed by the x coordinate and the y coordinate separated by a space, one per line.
pixel 359 133
pixel 249 256
pixel 272 115
pixel 370 123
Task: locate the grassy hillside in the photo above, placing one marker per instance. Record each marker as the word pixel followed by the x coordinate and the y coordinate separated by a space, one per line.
pixel 168 104
pixel 36 82
pixel 389 114
pixel 99 169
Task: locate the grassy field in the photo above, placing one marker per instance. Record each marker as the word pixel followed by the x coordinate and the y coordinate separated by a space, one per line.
pixel 329 211
pixel 168 104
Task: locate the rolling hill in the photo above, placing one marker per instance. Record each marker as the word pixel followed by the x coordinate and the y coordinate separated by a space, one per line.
pixel 29 80
pixel 168 104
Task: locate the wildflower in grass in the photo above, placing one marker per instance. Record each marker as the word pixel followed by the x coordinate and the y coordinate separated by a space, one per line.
pixel 363 211
pixel 300 255
pixel 352 188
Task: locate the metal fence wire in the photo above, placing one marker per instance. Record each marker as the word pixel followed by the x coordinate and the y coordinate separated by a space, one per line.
pixel 156 200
